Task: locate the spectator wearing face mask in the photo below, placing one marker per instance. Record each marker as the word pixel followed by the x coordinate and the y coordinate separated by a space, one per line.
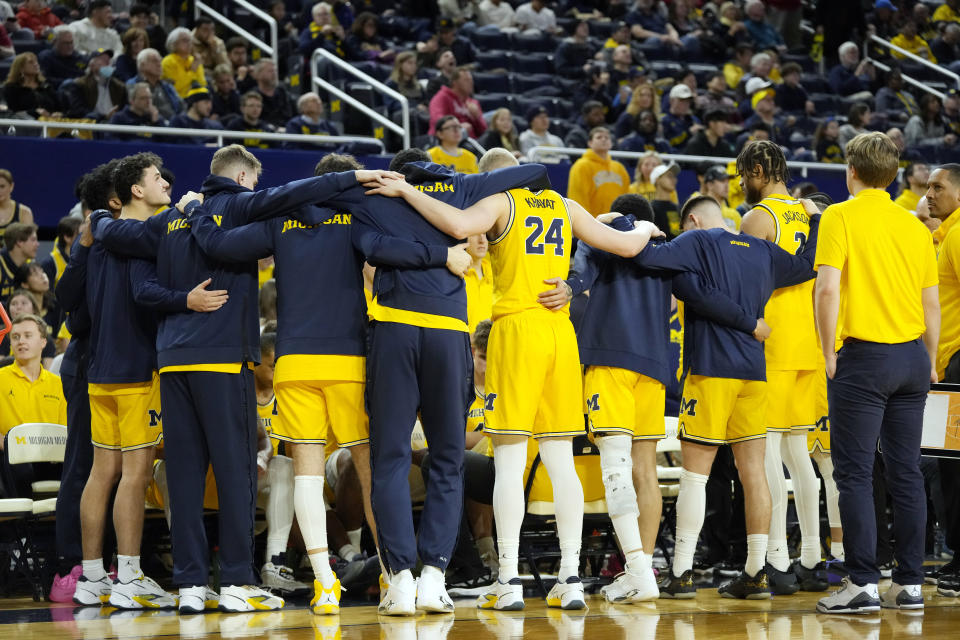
pixel 97 95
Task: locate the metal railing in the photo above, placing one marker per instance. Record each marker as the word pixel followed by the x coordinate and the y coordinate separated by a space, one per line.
pixel 910 80
pixel 271 49
pixel 219 135
pixel 913 57
pixel 402 130
pixel 537 152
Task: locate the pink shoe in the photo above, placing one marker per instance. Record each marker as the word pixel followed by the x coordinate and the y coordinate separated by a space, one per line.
pixel 63 588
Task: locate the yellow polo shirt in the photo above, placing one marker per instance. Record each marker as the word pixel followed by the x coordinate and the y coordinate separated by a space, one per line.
pixel 908 200
pixel 944 228
pixel 886 256
pixel 178 71
pixel 948 267
pixel 24 401
pixel 464 162
pixel 479 294
pixel 945 14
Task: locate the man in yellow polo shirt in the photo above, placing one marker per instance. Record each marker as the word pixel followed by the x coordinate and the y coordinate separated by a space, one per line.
pixel 876 298
pixel 943 197
pixel 28 392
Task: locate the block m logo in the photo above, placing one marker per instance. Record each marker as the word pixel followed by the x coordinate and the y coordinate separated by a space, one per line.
pixel 488 401
pixel 20 439
pixel 593 404
pixel 154 418
pixel 688 407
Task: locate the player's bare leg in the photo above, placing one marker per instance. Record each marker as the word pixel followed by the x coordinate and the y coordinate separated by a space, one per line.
pixel 649 500
pixel 308 469
pixel 93 587
pixel 360 454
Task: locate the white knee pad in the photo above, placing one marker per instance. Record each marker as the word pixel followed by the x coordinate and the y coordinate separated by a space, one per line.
pixel 616 466
pixel 280 471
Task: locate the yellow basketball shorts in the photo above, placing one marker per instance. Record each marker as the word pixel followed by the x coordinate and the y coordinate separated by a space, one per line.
pixel 722 410
pixel 125 417
pixel 310 409
pixel 818 438
pixel 621 401
pixel 792 399
pixel 533 386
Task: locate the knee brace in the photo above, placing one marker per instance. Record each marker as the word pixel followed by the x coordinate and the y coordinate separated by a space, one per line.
pixel 616 466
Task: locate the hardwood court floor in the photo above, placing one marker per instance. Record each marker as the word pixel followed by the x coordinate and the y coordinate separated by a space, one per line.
pixel 708 617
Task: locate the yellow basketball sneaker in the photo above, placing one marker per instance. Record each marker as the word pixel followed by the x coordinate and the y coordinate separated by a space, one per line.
pixel 326 601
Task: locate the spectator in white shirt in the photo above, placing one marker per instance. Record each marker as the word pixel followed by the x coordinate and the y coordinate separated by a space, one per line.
pixel 94 32
pixel 459 11
pixel 538 135
pixel 496 13
pixel 534 17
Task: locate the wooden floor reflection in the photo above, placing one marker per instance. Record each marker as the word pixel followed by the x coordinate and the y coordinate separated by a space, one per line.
pixel 709 617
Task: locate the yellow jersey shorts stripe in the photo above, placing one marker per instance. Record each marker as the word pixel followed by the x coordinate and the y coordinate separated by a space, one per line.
pixel 621 401
pixel 533 386
pixel 818 438
pixel 718 411
pixel 792 399
pixel 309 409
pixel 125 417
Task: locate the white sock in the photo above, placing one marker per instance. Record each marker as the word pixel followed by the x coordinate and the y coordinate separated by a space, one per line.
pixel 557 457
pixel 354 536
pixel 93 569
pixel 308 503
pixel 128 568
pixel 691 509
pixel 836 550
pixel 773 465
pixel 348 552
pixel 756 553
pixel 509 461
pixel 280 508
pixel 806 495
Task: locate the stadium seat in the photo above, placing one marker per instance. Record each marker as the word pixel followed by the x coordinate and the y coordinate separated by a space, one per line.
pixel 539 82
pixel 601 30
pixel 491 82
pixel 30 443
pixel 814 83
pixel 803 60
pixel 487 41
pixel 490 60
pixel 491 101
pixel 31 46
pixel 533 63
pixel 826 103
pixel 538 43
pixel 703 71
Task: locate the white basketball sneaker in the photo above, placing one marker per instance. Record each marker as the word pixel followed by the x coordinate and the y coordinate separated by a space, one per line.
pixel 503 596
pixel 432 594
pixel 401 596
pixel 567 594
pixel 198 599
pixel 239 598
pixel 92 593
pixel 140 593
pixel 628 588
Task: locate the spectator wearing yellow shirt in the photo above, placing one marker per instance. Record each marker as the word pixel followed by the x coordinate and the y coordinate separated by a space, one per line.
pixel 28 392
pixel 734 70
pixel 448 152
pixel 876 297
pixel 909 40
pixel 180 67
pixel 947 12
pixel 915 176
pixel 716 184
pixel 596 179
pixel 479 282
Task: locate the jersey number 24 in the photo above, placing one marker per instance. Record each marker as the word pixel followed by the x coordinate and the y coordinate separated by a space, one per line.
pixel 536 239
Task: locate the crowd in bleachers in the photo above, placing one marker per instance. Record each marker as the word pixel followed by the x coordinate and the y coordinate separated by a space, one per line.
pixel 681 76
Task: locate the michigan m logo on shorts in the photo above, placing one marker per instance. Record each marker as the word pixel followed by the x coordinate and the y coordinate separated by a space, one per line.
pixel 593 404
pixel 488 401
pixel 154 417
pixel 688 407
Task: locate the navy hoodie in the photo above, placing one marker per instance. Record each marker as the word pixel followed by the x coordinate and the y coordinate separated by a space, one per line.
pixel 326 315
pixel 432 290
pixel 746 269
pixel 232 333
pixel 627 321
